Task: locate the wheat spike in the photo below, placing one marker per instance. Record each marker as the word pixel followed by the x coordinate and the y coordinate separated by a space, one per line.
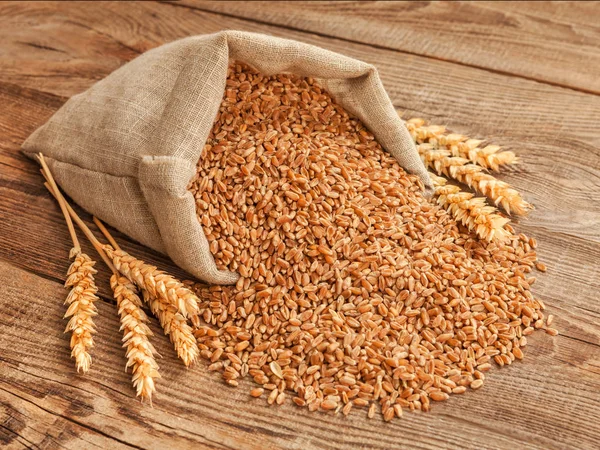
pixel 471 211
pixel 140 352
pixel 170 301
pixel 81 310
pixel 156 282
pixel 474 176
pixel 489 157
pixel 174 325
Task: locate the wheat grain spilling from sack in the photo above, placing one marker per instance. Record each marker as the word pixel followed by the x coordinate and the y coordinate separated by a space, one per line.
pixel 354 289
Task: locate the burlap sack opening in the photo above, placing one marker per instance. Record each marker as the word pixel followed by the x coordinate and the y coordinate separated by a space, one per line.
pixel 126 148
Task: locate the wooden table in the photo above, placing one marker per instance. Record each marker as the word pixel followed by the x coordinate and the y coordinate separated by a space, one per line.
pixel 526 76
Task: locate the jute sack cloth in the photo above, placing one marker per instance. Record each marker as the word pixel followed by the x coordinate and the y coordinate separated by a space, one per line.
pixel 126 148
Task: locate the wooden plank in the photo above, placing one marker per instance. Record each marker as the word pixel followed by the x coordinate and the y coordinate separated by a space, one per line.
pixel 49 55
pixel 537 40
pixel 48 404
pixel 421 82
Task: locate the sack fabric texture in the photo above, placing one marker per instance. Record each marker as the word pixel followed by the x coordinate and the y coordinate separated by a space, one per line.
pixel 126 149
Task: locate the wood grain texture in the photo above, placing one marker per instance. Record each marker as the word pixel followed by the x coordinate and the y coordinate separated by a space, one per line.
pixel 44 401
pixel 537 40
pixel 51 51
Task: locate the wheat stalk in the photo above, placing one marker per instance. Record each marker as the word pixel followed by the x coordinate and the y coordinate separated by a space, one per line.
pixel 474 176
pixel 81 297
pixel 136 333
pixel 471 211
pixel 140 352
pixel 158 283
pixel 148 277
pixel 489 156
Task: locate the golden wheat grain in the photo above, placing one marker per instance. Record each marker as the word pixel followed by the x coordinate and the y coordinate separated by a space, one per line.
pixel 353 285
pixel 140 352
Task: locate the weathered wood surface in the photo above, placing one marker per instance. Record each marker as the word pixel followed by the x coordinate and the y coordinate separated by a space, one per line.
pixel 51 51
pixel 537 41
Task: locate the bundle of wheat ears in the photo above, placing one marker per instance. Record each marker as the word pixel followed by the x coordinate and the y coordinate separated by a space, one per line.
pixel 175 306
pixel 464 160
pixel 168 298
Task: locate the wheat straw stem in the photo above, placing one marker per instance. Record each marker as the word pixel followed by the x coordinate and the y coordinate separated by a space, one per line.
pixel 106 234
pixel 61 203
pixel 82 295
pixel 88 233
pixel 140 352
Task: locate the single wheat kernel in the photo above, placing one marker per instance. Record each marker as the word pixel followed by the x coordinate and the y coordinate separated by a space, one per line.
pixel 438 396
pixel 257 392
pixel 476 384
pixel 371 412
pixel 272 396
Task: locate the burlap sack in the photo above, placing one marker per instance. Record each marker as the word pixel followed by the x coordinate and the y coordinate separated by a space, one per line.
pixel 126 148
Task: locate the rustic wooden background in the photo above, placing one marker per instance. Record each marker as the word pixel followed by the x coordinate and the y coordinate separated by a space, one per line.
pixel 525 75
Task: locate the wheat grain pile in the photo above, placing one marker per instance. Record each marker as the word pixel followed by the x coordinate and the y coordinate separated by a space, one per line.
pixel 355 290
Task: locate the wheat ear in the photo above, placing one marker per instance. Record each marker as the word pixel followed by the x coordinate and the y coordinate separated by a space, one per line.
pixel 474 176
pixel 81 310
pixel 169 300
pixel 148 277
pixel 489 156
pixel 136 333
pixel 176 326
pixel 80 279
pixel 471 211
